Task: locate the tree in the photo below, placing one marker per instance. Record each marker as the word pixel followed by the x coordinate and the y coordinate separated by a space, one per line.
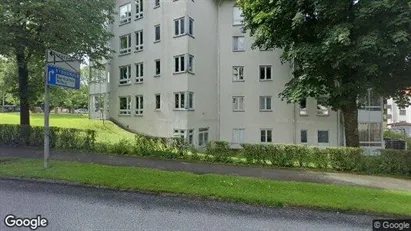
pixel 30 27
pixel 341 49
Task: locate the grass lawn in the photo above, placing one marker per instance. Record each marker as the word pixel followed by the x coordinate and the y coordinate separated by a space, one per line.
pixel 107 132
pixel 240 189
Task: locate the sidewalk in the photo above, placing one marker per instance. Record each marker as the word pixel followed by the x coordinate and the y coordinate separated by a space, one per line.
pixel 209 168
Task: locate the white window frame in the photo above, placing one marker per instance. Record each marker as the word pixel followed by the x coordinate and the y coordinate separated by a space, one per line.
pixel 127 110
pixel 125 18
pixel 268 75
pixel 238 19
pixel 203 136
pixel 155 67
pixel 238 103
pixel 127 49
pixel 186 134
pixel 303 110
pixel 190 29
pixel 127 80
pixel 266 106
pixel 159 101
pixel 156 3
pixel 139 72
pixel 238 74
pixel 324 111
pixel 155 33
pixel 139 46
pixel 306 136
pixel 318 137
pixel 139 8
pixel 179 26
pixel 266 132
pixel 182 100
pixel 238 136
pixel 183 63
pixel 139 105
pixel 237 45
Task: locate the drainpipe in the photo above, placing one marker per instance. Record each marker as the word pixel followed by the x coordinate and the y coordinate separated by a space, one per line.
pixel 218 73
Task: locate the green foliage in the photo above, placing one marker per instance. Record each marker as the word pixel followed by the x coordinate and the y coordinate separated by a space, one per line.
pixel 220 150
pixel 400 136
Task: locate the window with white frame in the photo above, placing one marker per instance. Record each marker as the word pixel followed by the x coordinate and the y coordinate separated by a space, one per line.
pixel 186 134
pixel 139 105
pixel 125 105
pixel 238 43
pixel 238 135
pixel 265 72
pixel 125 13
pixel 303 107
pixel 303 136
pixel 125 74
pixel 322 107
pixel 179 26
pixel 238 74
pixel 184 100
pixel 157 33
pixel 190 26
pixel 156 3
pixel 158 101
pixel 238 103
pixel 139 40
pixel 125 44
pixel 139 8
pixel 190 136
pixel 266 136
pixel 181 65
pixel 265 103
pixel 322 137
pixel 202 137
pixel 179 133
pixel 370 134
pixel 238 18
pixel 139 72
pixel 157 67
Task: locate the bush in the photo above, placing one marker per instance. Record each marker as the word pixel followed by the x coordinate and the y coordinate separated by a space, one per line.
pixel 220 150
pixel 346 159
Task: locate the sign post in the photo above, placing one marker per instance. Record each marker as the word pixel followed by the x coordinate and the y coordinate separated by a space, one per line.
pixel 61 71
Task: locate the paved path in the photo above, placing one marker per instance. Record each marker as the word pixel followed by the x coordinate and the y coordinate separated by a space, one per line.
pixel 204 168
pixel 83 208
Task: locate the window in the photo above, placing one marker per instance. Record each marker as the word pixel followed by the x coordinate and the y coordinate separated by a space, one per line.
pixel 179 27
pixel 184 100
pixel 157 34
pixel 157 67
pixel 238 74
pixel 158 101
pixel 238 18
pixel 370 134
pixel 139 8
pixel 322 137
pixel 265 72
pixel 156 3
pixel 125 44
pixel 374 104
pixel 303 136
pixel 238 103
pixel 125 13
pixel 180 64
pixel 238 135
pixel 139 40
pixel 322 108
pixel 125 74
pixel 179 133
pixel 238 43
pixel 191 26
pixel 403 112
pixel 266 135
pixel 188 135
pixel 265 103
pixel 139 105
pixel 202 137
pixel 303 107
pixel 139 72
pixel 125 105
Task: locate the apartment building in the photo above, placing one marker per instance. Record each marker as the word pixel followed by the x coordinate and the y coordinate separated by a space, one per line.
pixel 186 68
pixel 398 118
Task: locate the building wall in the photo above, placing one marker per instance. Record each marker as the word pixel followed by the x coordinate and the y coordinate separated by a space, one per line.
pixel 393 113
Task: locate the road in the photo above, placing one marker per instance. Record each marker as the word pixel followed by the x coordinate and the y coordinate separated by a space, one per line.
pixel 85 208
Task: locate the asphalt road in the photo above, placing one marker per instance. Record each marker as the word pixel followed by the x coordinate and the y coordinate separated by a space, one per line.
pixel 86 208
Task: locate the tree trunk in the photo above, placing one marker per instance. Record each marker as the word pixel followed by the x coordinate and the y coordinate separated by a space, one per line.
pixel 350 113
pixel 23 72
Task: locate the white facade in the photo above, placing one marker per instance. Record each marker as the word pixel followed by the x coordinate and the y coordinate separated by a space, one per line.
pixel 230 91
pixel 398 118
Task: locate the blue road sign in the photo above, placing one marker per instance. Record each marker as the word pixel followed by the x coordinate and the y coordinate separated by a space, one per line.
pixel 62 78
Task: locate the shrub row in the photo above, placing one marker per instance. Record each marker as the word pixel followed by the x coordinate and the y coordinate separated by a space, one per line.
pixel 62 138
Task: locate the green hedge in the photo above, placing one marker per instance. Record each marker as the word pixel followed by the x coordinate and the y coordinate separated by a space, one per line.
pixel 62 138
